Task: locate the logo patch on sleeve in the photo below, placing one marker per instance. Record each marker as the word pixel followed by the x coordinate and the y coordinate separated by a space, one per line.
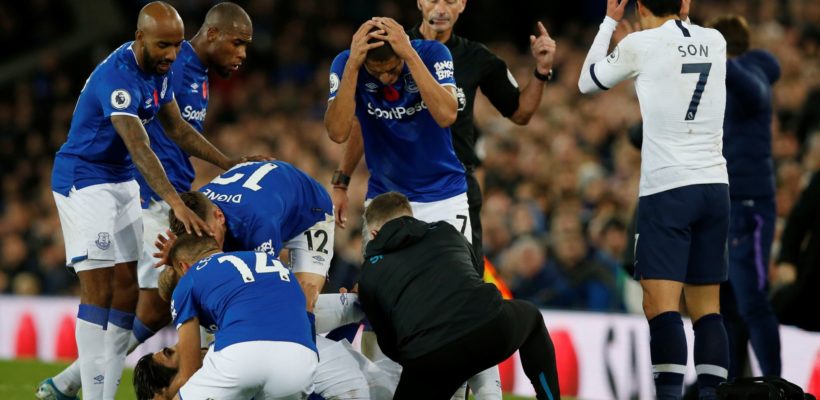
pixel 334 82
pixel 120 99
pixel 613 57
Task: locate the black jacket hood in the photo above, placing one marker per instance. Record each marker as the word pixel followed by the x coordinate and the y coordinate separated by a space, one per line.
pixel 397 234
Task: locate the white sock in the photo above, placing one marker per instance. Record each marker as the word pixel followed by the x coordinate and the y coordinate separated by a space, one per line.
pixel 333 310
pixel 68 380
pixel 133 343
pixel 117 341
pixel 91 358
pixel 486 385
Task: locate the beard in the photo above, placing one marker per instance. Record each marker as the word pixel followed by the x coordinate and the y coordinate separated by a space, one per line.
pixel 151 63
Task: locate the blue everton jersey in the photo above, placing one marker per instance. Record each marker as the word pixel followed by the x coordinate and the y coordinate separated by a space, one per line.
pixel 266 204
pixel 242 297
pixel 190 86
pixel 94 153
pixel 405 149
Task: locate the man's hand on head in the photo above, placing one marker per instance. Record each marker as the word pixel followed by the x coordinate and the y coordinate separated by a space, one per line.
pixel 359 46
pixel 395 35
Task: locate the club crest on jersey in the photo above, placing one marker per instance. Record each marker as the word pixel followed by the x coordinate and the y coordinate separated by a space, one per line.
pixel 164 87
pixel 613 57
pixel 173 310
pixel 410 84
pixel 267 247
pixel 334 82
pixel 103 241
pixel 120 99
pixel 371 87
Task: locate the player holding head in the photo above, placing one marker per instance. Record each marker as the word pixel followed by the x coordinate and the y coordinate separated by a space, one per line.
pixel 683 216
pixel 220 45
pixel 95 192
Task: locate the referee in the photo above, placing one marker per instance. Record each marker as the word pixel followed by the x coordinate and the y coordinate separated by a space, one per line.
pixel 475 67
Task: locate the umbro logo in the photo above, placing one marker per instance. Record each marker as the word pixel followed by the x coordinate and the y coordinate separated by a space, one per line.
pixel 194 87
pixel 371 87
pixel 99 379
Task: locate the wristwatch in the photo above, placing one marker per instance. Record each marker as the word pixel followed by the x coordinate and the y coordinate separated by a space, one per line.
pixel 340 179
pixel 541 77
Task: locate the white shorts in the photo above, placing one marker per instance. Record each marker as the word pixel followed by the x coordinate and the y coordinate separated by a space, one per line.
pixel 102 225
pixel 338 375
pixel 312 250
pixel 455 211
pixel 264 370
pixel 155 222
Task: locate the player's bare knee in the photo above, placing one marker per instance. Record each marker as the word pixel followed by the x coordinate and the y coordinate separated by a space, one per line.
pixel 152 310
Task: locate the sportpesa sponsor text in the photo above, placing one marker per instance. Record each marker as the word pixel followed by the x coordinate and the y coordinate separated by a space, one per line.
pixel 395 112
pixel 194 115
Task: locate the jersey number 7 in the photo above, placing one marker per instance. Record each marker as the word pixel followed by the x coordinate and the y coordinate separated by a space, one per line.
pixel 696 68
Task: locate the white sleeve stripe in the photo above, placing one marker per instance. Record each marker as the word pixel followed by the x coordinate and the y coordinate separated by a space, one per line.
pixel 125 113
pixel 448 84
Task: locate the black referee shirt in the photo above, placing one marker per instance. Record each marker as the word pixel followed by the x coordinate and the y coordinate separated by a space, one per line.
pixel 476 67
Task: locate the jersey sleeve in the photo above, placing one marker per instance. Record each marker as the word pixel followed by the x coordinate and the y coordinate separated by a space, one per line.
pixel 500 87
pixel 118 94
pixel 183 305
pixel 336 70
pixel 439 62
pixel 602 72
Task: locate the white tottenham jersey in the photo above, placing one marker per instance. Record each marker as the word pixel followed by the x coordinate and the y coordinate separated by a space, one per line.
pixel 680 78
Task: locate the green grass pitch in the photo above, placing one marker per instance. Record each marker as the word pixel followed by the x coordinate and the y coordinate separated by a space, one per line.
pixel 19 379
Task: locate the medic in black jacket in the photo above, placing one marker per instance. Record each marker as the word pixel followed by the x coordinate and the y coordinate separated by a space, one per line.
pixel 433 314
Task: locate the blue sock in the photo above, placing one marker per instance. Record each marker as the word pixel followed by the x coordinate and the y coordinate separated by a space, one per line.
pixel 124 320
pixel 93 314
pixel 711 354
pixel 347 332
pixel 141 331
pixel 667 347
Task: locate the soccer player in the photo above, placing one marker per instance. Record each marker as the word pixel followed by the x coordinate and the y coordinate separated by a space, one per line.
pixel 264 346
pixel 268 206
pixel 97 197
pixel 434 315
pixel 400 94
pixel 219 46
pixel 475 67
pixel 747 146
pixel 683 215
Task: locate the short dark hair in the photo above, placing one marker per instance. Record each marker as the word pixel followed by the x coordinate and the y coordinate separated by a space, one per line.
pixel 662 8
pixel 150 377
pixel 188 246
pixel 735 30
pixel 197 202
pixel 379 54
pixel 385 207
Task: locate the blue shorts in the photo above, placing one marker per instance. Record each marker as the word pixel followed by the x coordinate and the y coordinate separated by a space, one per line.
pixel 681 235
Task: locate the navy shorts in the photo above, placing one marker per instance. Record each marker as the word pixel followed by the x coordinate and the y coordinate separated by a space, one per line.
pixel 681 235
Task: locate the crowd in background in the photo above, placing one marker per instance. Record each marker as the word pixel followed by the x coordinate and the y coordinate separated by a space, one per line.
pixel 559 193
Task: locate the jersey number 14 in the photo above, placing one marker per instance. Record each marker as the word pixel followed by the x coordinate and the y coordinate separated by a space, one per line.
pixel 261 267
